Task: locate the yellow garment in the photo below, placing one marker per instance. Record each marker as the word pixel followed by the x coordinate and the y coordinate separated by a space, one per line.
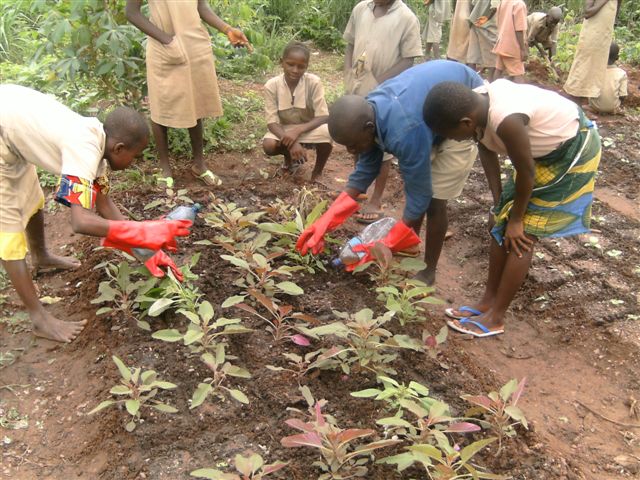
pixel 589 67
pixel 181 76
pixel 614 86
pixel 459 36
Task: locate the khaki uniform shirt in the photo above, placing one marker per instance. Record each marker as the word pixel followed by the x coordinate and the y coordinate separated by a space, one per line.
pixel 614 87
pixel 538 30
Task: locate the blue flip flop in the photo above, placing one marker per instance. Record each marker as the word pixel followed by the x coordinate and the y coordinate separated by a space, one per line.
pixel 485 331
pixel 474 313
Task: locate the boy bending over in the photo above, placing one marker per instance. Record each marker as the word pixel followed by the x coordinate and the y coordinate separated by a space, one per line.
pixel 555 151
pixel 36 130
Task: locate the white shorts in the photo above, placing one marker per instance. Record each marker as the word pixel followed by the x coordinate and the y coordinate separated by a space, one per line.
pixel 451 163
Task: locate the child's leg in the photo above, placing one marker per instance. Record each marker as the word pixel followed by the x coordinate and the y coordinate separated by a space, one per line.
pixel 44 324
pixel 371 211
pixel 162 145
pixel 437 223
pixel 273 147
pixel 197 147
pixel 323 150
pixel 40 256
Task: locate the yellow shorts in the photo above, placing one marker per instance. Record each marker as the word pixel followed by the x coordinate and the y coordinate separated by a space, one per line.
pixel 451 163
pixel 20 198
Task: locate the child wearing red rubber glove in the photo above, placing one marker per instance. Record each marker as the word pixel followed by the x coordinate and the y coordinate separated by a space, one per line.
pixel 37 130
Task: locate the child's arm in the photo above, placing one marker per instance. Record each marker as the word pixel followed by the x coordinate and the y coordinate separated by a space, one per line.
pixel 400 66
pixel 348 58
pixel 85 222
pixel 512 131
pixel 593 7
pixel 520 24
pixel 135 16
pixel 235 35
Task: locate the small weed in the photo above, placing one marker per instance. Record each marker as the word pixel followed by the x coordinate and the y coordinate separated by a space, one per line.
pixel 407 301
pixel 249 468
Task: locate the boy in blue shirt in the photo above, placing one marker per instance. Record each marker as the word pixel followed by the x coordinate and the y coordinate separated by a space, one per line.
pixel 389 119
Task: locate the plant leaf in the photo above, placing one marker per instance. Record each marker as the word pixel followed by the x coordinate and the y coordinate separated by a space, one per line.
pixel 290 288
pixel 200 394
pixel 168 335
pixel 132 406
pixel 231 301
pixel 159 306
pixel 239 396
pixel 125 372
pixel 101 406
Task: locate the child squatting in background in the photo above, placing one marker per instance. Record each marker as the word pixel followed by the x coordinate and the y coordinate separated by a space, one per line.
pixel 614 88
pixel 555 151
pixel 296 113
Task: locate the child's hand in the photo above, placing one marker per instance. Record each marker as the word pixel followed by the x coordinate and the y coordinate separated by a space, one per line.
pixel 238 39
pixel 290 137
pixel 515 239
pixel 298 152
pixel 481 21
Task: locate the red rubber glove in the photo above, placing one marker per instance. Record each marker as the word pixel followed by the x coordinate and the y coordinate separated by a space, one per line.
pixel 400 237
pixel 151 234
pixel 313 237
pixel 161 259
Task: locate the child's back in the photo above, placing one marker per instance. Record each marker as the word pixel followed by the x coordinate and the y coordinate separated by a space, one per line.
pixel 614 87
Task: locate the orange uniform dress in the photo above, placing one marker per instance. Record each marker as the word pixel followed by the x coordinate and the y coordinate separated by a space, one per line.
pixel 511 18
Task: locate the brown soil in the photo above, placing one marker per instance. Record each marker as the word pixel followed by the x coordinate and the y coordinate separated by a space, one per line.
pixel 578 350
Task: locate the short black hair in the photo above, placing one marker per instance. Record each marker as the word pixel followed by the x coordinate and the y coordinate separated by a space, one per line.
pixel 614 52
pixel 446 104
pixel 299 46
pixel 126 125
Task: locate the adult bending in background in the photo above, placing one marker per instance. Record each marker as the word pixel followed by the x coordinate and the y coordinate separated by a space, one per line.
pixel 181 74
pixel 589 66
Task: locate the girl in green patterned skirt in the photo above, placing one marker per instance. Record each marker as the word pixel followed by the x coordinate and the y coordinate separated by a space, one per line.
pixel 555 151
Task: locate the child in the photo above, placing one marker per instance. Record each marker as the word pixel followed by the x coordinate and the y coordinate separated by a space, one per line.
pixel 482 36
pixel 181 74
pixel 511 48
pixel 383 40
pixel 555 151
pixel 542 31
pixel 439 12
pixel 614 87
pixel 36 130
pixel 459 34
pixel 296 113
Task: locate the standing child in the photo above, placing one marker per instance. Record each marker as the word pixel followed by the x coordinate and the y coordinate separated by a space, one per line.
pixel 511 47
pixel 459 35
pixel 482 36
pixel 439 11
pixel 181 74
pixel 383 39
pixel 36 130
pixel 296 112
pixel 614 88
pixel 555 151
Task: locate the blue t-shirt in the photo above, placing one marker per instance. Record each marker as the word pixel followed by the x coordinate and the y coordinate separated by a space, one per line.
pixel 402 132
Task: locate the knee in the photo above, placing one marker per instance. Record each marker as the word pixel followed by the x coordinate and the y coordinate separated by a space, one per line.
pixel 437 208
pixel 270 146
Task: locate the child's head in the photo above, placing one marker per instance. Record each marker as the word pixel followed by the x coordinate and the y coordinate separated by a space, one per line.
pixel 452 110
pixel 352 123
pixel 127 135
pixel 295 60
pixel 554 16
pixel 614 52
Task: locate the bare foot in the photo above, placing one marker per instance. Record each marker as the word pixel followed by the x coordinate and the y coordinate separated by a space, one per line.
pixel 49 262
pixel 49 327
pixel 426 276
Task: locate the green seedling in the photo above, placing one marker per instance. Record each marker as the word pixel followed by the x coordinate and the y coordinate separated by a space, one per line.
pixel 432 343
pixel 408 301
pixel 215 386
pixel 368 346
pixel 342 451
pixel 385 270
pixel 499 410
pixel 249 468
pixel 313 361
pixel 123 292
pixel 393 393
pixel 203 333
pixel 280 318
pixel 444 461
pixel 232 221
pixel 261 275
pixel 170 201
pixel 137 390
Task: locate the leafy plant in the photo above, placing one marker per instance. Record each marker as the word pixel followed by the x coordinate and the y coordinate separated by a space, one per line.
pixel 125 293
pixel 139 387
pixel 407 301
pixel 444 461
pixel 233 221
pixel 203 333
pixel 300 366
pixel 394 393
pixel 432 343
pixel 368 346
pixel 261 275
pixel 499 410
pixel 341 456
pixel 249 468
pixel 386 270
pixel 170 200
pixel 216 385
pixel 279 318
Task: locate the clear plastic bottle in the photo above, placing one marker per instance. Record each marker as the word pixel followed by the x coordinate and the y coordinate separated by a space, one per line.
pixel 183 212
pixel 371 233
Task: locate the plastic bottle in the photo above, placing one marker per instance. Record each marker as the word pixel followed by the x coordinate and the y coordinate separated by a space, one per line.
pixel 183 212
pixel 371 233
